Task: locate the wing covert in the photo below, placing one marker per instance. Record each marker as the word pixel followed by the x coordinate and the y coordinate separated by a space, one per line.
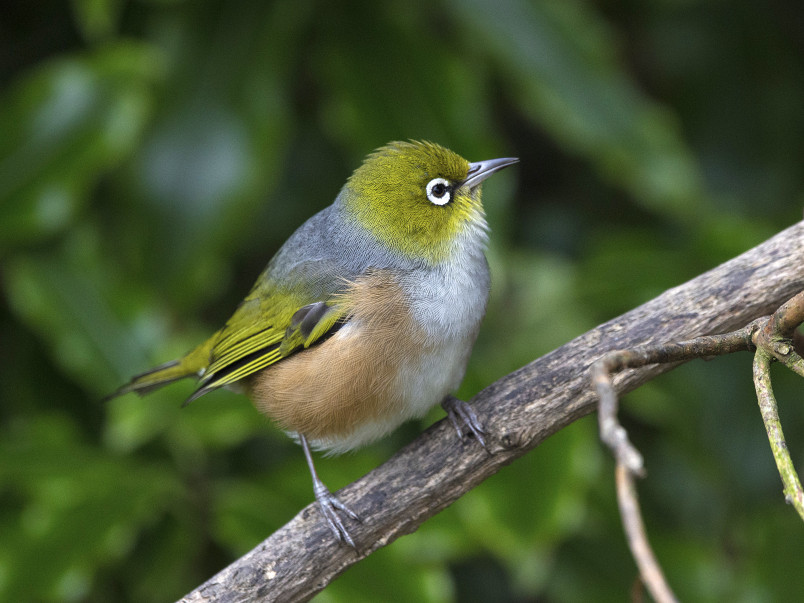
pixel 264 329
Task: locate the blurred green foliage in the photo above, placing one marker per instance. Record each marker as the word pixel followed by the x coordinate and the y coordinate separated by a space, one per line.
pixel 154 155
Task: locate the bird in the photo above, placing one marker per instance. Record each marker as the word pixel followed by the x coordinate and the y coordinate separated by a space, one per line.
pixel 366 316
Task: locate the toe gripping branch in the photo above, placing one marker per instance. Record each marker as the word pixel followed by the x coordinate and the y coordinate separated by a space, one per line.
pixel 464 419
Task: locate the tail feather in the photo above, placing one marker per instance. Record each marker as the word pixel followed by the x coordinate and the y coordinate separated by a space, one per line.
pixel 155 378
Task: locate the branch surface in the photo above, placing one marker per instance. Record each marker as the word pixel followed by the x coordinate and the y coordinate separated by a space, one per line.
pixel 518 411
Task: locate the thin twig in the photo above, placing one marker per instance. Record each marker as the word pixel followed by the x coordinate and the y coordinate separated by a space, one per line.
pixel 775 342
pixel 649 568
pixel 612 433
pixel 770 416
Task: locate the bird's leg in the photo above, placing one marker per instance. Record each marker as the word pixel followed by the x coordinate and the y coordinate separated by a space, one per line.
pixel 463 419
pixel 327 503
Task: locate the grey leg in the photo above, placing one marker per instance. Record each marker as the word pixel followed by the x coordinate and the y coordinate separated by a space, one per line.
pixel 327 503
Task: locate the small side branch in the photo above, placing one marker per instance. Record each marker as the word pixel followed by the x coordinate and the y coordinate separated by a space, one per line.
pixel 629 460
pixel 774 337
pixel 611 432
pixel 775 341
pixel 770 416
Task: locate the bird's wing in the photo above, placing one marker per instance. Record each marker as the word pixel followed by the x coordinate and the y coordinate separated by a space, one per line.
pixel 269 325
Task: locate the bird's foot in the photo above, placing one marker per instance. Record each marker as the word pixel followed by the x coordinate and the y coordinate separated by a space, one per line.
pixel 330 508
pixel 464 419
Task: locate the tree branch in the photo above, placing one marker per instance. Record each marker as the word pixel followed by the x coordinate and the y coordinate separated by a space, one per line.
pixel 519 411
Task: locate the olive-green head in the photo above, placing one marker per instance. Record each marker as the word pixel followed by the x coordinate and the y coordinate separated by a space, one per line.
pixel 418 198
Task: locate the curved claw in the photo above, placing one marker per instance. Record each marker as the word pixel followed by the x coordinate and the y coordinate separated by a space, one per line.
pixel 464 419
pixel 329 507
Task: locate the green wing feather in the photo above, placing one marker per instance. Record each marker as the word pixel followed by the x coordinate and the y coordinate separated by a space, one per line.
pixel 264 329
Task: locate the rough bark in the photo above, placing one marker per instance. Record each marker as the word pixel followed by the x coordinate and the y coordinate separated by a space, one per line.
pixel 518 411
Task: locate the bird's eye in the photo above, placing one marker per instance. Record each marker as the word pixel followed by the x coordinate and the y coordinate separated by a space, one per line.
pixel 439 191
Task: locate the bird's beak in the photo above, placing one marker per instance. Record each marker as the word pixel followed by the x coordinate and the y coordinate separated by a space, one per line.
pixel 480 170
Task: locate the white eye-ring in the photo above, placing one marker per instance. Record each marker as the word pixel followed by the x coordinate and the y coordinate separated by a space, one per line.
pixel 439 191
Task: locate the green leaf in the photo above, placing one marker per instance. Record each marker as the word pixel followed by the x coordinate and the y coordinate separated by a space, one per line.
pixel 75 304
pixel 375 92
pixel 80 508
pixel 62 128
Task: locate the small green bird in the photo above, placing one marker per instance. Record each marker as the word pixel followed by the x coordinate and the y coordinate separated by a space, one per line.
pixel 365 318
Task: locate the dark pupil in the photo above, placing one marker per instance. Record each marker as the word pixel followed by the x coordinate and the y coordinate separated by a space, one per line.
pixel 439 190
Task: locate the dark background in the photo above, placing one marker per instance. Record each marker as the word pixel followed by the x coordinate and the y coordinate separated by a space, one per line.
pixel 155 154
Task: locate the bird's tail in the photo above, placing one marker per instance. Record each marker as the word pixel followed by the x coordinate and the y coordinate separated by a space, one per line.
pixel 191 365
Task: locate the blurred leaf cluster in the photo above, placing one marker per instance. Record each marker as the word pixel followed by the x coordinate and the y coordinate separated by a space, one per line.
pixel 155 154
